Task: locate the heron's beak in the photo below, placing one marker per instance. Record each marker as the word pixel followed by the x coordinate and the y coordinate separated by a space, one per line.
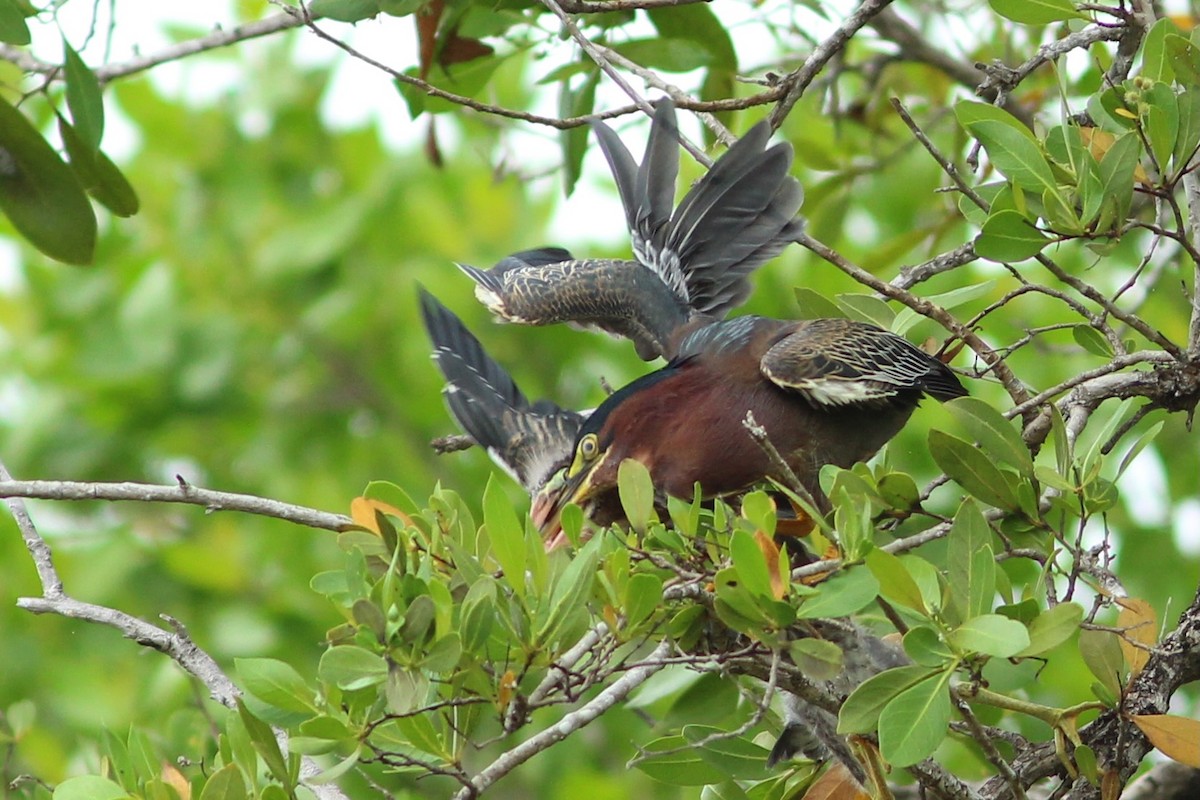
pixel 552 498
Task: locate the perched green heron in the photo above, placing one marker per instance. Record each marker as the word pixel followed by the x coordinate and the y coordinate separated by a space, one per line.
pixel 692 261
pixel 825 391
pixel 534 442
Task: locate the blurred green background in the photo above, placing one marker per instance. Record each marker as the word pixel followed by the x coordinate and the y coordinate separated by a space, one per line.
pixel 254 329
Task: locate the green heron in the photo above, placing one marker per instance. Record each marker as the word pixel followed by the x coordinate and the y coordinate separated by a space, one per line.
pixel 692 263
pixel 826 391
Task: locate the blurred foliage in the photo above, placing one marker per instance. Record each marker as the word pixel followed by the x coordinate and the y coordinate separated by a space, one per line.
pixel 253 327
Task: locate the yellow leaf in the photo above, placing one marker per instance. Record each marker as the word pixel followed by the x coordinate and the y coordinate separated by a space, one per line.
pixel 174 778
pixel 1177 737
pixel 363 514
pixel 836 784
pixel 770 551
pixel 364 509
pixel 1140 625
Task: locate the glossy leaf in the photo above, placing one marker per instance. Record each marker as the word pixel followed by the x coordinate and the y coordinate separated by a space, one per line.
pixel 1101 652
pixel 1008 237
pixel 507 535
pixel 913 724
pixel 848 591
pixel 83 98
pixel 895 582
pixel 225 784
pixel 275 682
pixel 971 469
pixel 636 490
pixel 992 635
pixel 100 177
pixel 997 436
pixel 735 757
pixel 860 713
pixel 88 787
pixel 1052 627
pixel 971 566
pixel 1091 340
pixel 673 760
pixel 1036 12
pixel 41 195
pixel 349 667
pixel 1021 160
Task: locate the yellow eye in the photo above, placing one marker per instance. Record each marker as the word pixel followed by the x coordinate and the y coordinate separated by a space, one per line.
pixel 588 447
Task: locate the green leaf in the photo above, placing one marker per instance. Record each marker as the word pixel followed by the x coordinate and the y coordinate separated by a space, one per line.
pixel 1161 122
pixel 576 102
pixel 265 744
pixel 98 175
pixel 225 784
pixel 1184 58
pixel 668 55
pixel 88 787
pixel 991 635
pixel 1189 128
pixel 1156 66
pixel 906 317
pixel 1139 445
pixel 895 582
pixel 507 535
pixel 571 590
pixel 349 667
pixel 344 10
pixel 1018 158
pixel 1036 12
pixel 860 713
pixel 972 577
pixel 673 760
pixel 1051 628
pixel 83 98
pixel 996 435
pixel 971 469
pixel 848 591
pixel 478 614
pixel 643 595
pixel 866 308
pixel 40 194
pixel 760 510
pixel 913 724
pixel 276 683
pixel 751 564
pixel 13 29
pixel 636 490
pixel 814 305
pixel 1091 340
pixel 1009 238
pixel 925 647
pixel 735 757
pixel 970 112
pixel 1101 651
pixel 817 659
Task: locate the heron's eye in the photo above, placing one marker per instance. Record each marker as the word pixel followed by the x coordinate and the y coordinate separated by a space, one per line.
pixel 588 447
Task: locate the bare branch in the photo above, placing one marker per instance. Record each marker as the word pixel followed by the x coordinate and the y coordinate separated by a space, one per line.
pixel 798 81
pixel 584 715
pixel 181 493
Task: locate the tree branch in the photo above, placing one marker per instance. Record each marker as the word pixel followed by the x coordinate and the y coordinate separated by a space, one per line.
pixel 181 493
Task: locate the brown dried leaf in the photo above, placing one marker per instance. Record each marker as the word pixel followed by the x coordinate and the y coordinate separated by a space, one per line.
pixel 836 784
pixel 770 551
pixel 1177 737
pixel 1140 623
